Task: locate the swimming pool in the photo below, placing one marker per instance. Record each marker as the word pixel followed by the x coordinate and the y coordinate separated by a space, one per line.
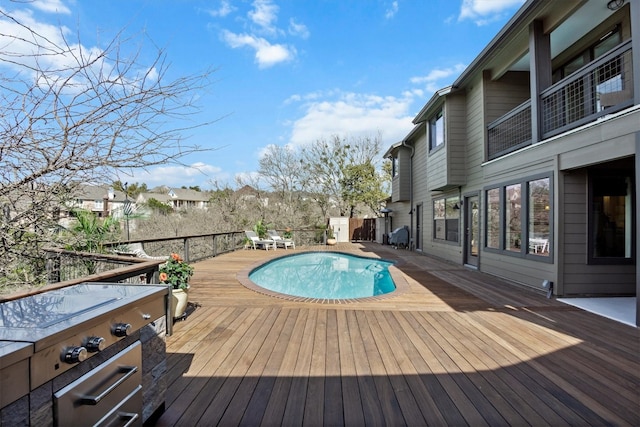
pixel 325 275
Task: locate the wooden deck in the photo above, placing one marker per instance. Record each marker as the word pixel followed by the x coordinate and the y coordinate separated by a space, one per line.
pixel 456 348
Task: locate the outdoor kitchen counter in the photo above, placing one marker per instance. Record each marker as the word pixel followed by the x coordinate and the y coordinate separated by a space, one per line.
pixel 52 340
pixel 14 365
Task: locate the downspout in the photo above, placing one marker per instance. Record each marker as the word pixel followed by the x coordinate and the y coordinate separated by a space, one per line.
pixel 411 210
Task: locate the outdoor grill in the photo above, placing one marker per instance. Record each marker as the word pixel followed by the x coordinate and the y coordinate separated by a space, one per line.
pixel 73 356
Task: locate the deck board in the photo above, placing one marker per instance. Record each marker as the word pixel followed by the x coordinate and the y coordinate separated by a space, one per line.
pixel 456 347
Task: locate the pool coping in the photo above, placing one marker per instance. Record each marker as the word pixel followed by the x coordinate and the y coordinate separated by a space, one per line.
pixel 397 276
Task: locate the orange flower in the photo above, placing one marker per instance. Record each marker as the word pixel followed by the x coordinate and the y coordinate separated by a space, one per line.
pixel 163 277
pixel 176 257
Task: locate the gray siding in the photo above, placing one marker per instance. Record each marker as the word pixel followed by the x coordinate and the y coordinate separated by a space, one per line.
pixel 404 161
pixel 456 114
pixel 446 165
pixel 420 180
pixel 475 137
pixel 503 95
pixel 437 167
pixel 401 183
pixel 400 215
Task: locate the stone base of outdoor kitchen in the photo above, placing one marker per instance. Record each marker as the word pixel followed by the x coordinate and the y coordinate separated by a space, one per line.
pixel 36 408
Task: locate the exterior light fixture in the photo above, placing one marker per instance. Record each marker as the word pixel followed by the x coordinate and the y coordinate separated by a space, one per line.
pixel 548 285
pixel 615 4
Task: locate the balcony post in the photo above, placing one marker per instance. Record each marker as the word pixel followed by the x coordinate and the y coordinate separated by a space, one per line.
pixel 540 73
pixel 634 13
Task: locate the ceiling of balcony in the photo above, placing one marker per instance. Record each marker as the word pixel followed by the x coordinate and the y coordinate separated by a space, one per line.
pixel 579 23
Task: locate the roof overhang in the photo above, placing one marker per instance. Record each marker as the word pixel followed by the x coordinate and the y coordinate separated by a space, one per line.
pixel 435 101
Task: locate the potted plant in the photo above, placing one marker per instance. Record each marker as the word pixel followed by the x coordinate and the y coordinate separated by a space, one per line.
pixel 331 240
pixel 176 272
pixel 288 233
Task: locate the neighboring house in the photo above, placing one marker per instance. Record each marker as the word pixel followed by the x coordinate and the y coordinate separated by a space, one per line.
pixel 525 168
pixel 249 194
pixel 177 198
pixel 99 199
pixel 160 197
pixel 184 198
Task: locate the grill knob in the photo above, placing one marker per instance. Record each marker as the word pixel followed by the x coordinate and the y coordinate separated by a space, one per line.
pixel 121 329
pixel 74 354
pixel 94 344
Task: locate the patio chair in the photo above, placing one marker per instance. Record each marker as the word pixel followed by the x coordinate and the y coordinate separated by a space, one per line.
pixel 280 242
pixel 136 249
pixel 258 242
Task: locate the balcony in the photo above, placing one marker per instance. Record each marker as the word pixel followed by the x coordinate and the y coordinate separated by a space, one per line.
pixel 602 87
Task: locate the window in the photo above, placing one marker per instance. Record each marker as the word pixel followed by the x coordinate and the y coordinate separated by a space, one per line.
pixel 436 131
pixel 539 226
pixel 518 218
pixel 602 46
pixel 610 218
pixel 607 42
pixel 493 218
pixel 98 205
pixel 394 166
pixel 513 206
pixel 446 219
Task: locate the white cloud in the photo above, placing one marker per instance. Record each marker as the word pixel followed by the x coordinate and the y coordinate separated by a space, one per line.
pixel 392 10
pixel 311 96
pixel 264 14
pixel 25 39
pixel 483 12
pixel 297 29
pixel 177 176
pixel 266 54
pixel 438 78
pixel 354 115
pixel 260 32
pixel 30 44
pixel 51 6
pixel 223 10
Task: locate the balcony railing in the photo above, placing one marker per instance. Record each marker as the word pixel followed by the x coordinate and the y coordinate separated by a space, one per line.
pixel 510 132
pixel 602 87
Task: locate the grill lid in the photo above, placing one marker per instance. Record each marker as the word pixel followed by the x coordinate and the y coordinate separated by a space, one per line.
pixel 38 316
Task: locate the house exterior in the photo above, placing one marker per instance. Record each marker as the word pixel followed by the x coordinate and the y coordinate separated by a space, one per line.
pixel 102 200
pixel 525 167
pixel 177 198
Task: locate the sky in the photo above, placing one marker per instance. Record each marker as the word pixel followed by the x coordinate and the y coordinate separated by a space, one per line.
pixel 288 72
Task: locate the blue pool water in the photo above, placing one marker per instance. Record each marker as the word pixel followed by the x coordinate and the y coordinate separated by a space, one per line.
pixel 326 275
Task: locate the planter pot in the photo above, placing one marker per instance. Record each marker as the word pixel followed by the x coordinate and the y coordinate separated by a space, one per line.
pixel 179 299
pixel 331 242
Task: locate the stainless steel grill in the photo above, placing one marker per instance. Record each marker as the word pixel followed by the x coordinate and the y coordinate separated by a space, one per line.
pixel 76 338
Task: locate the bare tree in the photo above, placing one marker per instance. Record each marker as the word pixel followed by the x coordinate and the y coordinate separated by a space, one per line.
pixel 323 162
pixel 71 114
pixel 281 168
pixel 344 173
